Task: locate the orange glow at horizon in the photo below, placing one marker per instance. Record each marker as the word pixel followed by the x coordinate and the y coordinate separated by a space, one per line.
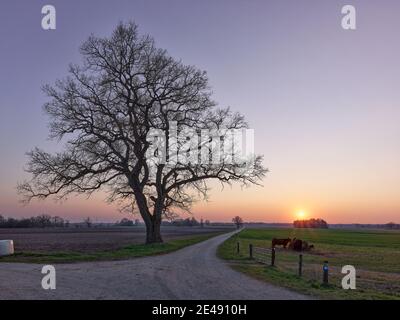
pixel 276 202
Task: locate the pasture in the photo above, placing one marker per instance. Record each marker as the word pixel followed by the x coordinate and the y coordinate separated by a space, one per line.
pixel 374 253
pixel 105 243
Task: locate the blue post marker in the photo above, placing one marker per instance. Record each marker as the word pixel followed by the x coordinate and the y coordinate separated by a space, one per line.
pixel 325 270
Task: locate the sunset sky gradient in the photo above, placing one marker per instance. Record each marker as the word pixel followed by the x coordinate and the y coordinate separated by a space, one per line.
pixel 324 102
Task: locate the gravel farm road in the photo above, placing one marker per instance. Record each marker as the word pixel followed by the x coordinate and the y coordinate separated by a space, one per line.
pixel 193 272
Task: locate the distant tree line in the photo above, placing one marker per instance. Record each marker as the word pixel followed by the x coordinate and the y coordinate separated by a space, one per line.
pixel 188 222
pixel 41 221
pixel 311 223
pixel 387 226
pixel 125 222
pixel 392 226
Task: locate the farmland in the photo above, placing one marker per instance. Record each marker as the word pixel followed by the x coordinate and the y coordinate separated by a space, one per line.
pixel 374 254
pixel 89 244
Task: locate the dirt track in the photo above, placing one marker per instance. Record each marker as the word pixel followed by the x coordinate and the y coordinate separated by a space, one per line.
pixel 191 273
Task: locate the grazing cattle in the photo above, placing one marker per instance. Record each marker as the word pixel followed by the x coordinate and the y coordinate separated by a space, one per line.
pixel 280 242
pixel 300 245
pixel 297 244
pixel 306 246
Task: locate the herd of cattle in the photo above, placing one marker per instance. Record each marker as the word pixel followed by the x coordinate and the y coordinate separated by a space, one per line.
pixel 292 244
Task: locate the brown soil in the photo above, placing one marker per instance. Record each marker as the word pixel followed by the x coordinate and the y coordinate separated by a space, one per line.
pixel 91 239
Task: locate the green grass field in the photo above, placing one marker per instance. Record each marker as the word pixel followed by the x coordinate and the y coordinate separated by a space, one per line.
pixel 374 254
pixel 133 251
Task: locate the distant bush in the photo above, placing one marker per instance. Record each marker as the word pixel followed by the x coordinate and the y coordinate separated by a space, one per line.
pixel 238 221
pixel 311 223
pixel 125 223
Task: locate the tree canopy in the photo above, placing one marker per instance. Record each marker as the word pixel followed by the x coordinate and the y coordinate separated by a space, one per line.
pixel 110 110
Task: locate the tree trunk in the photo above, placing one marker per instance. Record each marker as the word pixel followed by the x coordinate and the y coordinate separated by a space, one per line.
pixel 153 222
pixel 153 231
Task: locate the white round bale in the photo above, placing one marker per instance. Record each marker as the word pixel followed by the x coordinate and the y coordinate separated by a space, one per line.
pixel 6 247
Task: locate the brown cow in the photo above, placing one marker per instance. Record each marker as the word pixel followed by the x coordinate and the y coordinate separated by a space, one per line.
pixel 280 242
pixel 300 245
pixel 296 244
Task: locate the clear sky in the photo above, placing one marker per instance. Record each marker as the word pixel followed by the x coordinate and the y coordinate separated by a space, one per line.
pixel 324 102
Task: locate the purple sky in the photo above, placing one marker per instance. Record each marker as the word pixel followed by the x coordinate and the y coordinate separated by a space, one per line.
pixel 324 102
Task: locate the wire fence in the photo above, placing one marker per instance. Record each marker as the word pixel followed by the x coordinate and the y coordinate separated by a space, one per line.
pixel 318 268
pixel 262 255
pixel 292 262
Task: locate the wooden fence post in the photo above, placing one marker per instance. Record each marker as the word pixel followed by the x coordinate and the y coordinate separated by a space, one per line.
pixel 273 257
pixel 251 251
pixel 300 265
pixel 237 247
pixel 325 270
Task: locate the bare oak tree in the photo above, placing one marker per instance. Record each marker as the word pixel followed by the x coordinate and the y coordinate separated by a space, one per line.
pixel 105 111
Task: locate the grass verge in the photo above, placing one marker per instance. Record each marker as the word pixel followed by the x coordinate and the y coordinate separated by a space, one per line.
pixel 132 251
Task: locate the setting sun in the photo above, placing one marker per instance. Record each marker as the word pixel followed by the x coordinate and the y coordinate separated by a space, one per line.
pixel 301 214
